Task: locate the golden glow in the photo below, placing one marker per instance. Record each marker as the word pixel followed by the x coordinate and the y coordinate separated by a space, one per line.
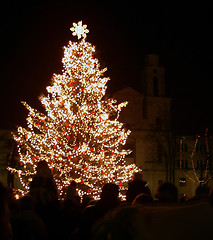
pixel 79 134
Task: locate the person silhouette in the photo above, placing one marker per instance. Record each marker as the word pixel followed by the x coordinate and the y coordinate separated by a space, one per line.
pixel 135 187
pixel 167 193
pixel 43 188
pixel 109 200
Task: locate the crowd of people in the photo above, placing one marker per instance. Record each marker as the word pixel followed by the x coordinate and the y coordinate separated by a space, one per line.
pixel 41 215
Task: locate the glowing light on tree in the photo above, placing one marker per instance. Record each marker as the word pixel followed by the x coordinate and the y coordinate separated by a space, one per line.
pixel 79 135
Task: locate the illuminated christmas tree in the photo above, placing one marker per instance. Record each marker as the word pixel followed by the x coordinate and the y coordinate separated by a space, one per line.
pixel 79 135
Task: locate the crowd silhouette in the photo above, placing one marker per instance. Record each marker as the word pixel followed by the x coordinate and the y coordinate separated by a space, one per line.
pixel 41 215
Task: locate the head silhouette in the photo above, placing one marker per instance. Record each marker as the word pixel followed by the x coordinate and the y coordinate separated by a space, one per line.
pixel 110 191
pixel 43 168
pixel 167 192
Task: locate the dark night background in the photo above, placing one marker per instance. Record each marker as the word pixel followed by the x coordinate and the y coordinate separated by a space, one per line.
pixel 33 36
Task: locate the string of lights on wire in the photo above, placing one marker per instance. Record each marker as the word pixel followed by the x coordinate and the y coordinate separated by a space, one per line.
pixel 79 135
pixel 206 174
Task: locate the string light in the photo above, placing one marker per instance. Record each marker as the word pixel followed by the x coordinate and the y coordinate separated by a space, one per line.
pixel 79 135
pixel 192 155
pixel 205 178
pixel 207 153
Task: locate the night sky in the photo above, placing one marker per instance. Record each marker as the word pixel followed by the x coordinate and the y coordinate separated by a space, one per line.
pixel 33 36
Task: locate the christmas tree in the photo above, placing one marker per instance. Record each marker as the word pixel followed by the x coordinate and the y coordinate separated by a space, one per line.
pixel 79 135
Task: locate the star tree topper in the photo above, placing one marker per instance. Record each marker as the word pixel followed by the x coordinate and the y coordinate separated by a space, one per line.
pixel 79 30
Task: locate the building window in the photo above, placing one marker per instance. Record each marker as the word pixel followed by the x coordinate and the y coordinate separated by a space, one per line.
pixel 210 165
pixel 178 147
pixel 203 148
pixel 158 123
pixel 181 147
pixel 186 164
pixel 183 164
pixel 198 164
pixel 178 163
pixel 144 109
pixel 159 153
pixel 197 148
pixel 155 86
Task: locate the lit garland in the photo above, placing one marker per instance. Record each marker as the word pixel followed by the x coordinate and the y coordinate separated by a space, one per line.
pixel 79 136
pixel 206 178
pixel 192 155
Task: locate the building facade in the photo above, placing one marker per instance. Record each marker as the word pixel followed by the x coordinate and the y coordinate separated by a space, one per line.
pixel 154 145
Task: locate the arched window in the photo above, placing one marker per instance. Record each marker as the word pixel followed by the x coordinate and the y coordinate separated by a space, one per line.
pixel 155 86
pixel 159 153
pixel 158 123
pixel 145 114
